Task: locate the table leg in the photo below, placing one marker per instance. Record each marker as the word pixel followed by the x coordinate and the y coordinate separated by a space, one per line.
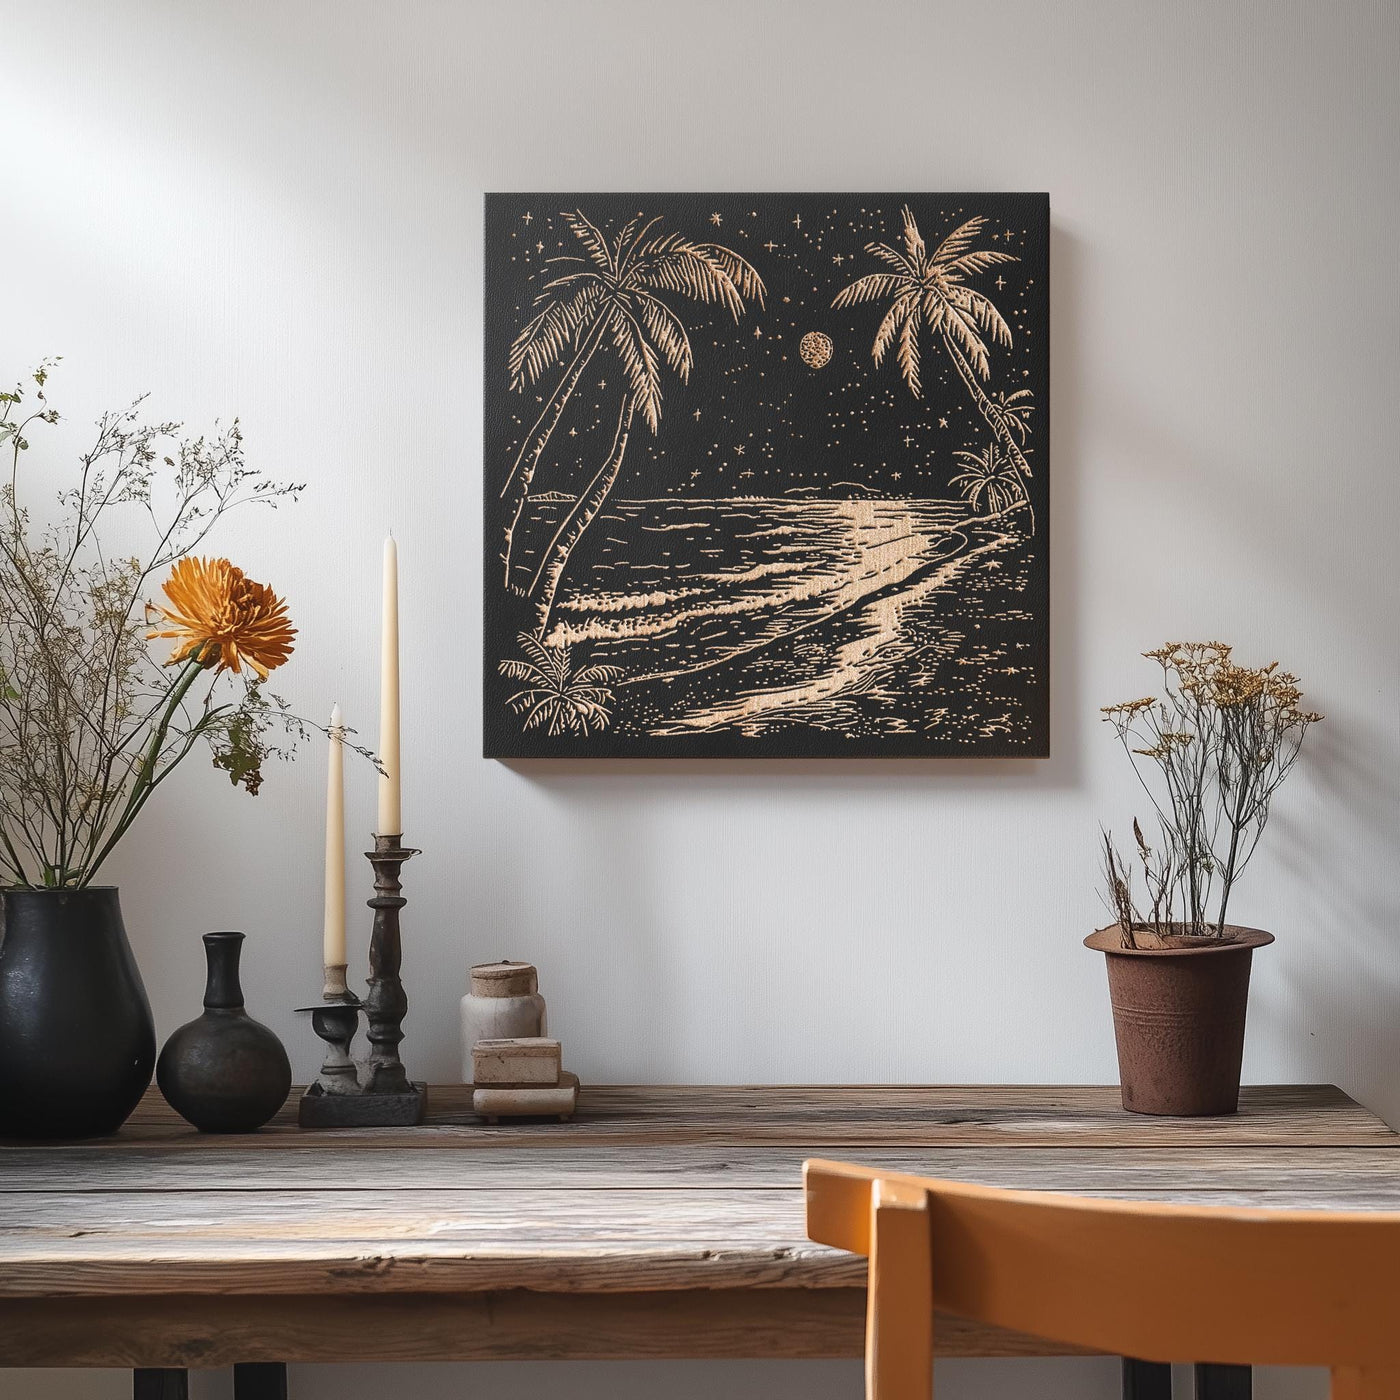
pixel 260 1380
pixel 1224 1383
pixel 1146 1380
pixel 160 1383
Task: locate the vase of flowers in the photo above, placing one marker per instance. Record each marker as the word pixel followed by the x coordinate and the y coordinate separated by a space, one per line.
pixel 1210 753
pixel 92 724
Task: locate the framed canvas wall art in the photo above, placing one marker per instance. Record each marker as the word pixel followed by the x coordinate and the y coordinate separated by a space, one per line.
pixel 766 475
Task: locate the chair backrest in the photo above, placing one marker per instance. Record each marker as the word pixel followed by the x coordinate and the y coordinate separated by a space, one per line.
pixel 1157 1282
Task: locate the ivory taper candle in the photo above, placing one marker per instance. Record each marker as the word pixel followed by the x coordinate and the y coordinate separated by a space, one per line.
pixel 333 940
pixel 390 809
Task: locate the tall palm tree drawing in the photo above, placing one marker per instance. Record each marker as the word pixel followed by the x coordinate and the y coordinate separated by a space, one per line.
pixel 929 292
pixel 612 296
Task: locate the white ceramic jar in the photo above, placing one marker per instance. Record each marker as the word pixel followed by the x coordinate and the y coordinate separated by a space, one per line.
pixel 504 1002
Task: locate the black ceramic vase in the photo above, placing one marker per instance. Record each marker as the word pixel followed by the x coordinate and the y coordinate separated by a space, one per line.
pixel 76 1038
pixel 225 1072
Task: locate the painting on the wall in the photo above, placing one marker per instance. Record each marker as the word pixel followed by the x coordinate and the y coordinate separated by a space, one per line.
pixel 766 475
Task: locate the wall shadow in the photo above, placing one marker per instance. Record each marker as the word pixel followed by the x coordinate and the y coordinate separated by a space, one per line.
pixel 1341 1015
pixel 1062 769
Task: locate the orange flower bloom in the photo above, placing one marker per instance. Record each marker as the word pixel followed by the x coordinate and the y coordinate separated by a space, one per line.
pixel 221 617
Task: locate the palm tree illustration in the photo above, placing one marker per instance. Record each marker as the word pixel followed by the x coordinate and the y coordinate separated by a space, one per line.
pixel 612 295
pixel 555 696
pixel 929 292
pixel 988 481
pixel 1014 410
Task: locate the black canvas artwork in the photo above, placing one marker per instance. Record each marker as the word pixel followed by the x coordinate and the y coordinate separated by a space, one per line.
pixel 766 475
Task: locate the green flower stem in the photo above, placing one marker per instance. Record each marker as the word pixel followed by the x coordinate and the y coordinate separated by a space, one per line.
pixel 147 778
pixel 16 864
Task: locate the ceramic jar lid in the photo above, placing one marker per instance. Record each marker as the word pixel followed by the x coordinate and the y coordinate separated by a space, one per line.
pixel 504 979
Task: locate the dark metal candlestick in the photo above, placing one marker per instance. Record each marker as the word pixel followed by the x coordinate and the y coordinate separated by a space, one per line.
pixel 379 1093
pixel 386 1005
pixel 336 1023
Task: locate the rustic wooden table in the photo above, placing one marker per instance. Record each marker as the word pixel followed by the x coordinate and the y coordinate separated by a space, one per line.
pixel 662 1222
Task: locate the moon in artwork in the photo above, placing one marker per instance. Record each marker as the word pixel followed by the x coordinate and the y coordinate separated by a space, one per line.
pixel 815 349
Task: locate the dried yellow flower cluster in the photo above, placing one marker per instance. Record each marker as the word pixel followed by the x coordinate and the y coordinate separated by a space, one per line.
pixel 1129 709
pixel 1204 672
pixel 1175 655
pixel 1167 740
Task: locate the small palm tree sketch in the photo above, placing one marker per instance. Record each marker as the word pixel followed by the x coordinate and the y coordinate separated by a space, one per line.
pixel 1014 412
pixel 556 696
pixel 929 292
pixel 990 483
pixel 614 294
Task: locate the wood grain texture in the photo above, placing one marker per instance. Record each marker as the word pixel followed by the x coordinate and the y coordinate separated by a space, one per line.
pixel 190 1330
pixel 660 1222
pixel 880 1115
pixel 1362 1178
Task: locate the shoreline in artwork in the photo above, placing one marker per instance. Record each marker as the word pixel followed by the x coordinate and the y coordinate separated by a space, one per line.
pixel 814 612
pixel 862 641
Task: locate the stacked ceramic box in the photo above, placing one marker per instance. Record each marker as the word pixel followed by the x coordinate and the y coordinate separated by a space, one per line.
pixel 514 1068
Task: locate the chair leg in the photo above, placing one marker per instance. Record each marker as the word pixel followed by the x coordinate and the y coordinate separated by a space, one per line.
pixel 160 1383
pixel 1146 1380
pixel 1224 1383
pixel 260 1380
pixel 899 1302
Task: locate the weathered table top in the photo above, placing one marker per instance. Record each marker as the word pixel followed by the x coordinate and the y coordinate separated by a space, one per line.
pixel 660 1222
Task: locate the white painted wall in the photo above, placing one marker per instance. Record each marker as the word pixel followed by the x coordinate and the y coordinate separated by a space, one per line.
pixel 273 210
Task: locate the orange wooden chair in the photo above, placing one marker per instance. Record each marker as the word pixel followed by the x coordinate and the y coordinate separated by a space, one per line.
pixel 1160 1282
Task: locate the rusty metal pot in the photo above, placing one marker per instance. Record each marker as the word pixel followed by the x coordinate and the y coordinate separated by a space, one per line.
pixel 1178 1018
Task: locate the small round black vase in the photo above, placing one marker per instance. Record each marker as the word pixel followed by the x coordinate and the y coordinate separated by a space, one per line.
pixel 225 1072
pixel 76 1038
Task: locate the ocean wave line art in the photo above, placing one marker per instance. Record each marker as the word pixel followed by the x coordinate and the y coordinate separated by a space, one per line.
pixel 856 665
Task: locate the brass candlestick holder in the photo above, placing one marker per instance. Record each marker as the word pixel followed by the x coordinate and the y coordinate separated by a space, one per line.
pixel 376 1092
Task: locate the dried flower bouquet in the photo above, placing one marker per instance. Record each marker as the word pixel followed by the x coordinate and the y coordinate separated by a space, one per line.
pixel 91 724
pixel 1216 745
